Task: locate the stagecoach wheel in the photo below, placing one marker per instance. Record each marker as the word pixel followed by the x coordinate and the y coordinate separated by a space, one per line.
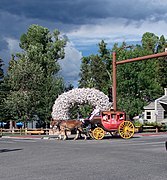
pixel 98 133
pixel 126 129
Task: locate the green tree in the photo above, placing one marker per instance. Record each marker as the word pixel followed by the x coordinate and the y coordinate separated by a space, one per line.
pixel 162 63
pixel 85 73
pixel 44 48
pixel 33 74
pixel 94 72
pixel 1 70
pixel 25 79
pixel 128 91
pixel 1 88
pixel 150 42
pixel 138 83
pixel 51 88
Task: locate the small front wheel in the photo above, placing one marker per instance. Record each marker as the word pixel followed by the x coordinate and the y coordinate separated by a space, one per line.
pixel 98 133
pixel 126 129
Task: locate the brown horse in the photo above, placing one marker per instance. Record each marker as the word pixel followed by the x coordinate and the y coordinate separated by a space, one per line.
pixel 68 125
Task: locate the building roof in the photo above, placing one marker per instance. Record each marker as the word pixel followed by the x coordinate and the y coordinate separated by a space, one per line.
pixel 162 100
pixel 150 106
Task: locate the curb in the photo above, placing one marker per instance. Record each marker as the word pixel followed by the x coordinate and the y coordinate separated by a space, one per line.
pixel 151 134
pixel 47 137
pixel 20 137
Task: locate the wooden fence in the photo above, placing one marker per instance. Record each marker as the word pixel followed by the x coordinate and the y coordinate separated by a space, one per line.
pixel 146 128
pixel 25 131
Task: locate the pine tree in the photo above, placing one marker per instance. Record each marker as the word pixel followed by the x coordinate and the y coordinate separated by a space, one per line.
pixel 95 71
pixel 1 70
pixel 162 63
pixel 32 74
pixel 1 88
pixel 138 83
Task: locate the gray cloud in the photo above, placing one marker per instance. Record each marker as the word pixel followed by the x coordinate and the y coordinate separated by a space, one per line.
pixel 17 15
pixel 86 23
pixel 85 11
pixel 3 44
pixel 71 64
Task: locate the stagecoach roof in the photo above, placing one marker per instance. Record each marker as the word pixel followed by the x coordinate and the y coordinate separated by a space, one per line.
pixel 112 112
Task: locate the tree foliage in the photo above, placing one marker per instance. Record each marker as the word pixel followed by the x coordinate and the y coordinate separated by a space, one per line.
pixel 25 80
pixel 138 83
pixel 43 48
pixel 32 74
pixel 95 70
pixel 2 94
pixel 1 70
pixel 162 63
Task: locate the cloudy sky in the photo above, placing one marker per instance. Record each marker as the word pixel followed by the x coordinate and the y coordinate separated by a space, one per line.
pixel 85 22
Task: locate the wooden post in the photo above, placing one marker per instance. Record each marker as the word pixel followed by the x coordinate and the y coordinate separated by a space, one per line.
pixel 114 66
pixel 114 71
pixel 13 130
pixel 25 131
pixel 156 129
pixel 1 131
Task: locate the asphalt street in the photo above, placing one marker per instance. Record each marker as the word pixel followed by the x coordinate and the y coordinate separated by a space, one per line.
pixel 139 158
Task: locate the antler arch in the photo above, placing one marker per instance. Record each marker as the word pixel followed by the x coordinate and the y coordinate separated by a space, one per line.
pixel 80 96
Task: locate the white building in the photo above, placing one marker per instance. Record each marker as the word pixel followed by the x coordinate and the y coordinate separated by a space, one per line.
pixel 157 111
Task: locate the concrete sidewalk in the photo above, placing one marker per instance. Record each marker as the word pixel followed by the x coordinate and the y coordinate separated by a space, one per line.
pixel 22 136
pixel 151 134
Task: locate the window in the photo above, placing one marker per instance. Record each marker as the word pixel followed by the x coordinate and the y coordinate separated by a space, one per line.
pixel 165 114
pixel 148 115
pixel 113 116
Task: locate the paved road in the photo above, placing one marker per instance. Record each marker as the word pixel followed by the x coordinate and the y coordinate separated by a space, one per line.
pixel 140 158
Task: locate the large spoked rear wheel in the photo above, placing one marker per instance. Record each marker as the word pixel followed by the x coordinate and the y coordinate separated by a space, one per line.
pixel 126 129
pixel 98 133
